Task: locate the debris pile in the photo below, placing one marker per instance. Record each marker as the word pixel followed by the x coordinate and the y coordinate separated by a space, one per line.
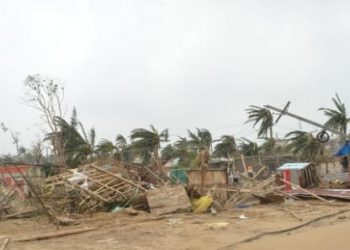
pixel 113 187
pixel 90 188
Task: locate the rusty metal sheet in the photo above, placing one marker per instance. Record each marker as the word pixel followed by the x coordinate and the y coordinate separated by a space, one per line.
pixel 343 194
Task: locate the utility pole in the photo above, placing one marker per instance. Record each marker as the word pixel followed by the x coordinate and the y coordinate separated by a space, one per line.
pixel 323 127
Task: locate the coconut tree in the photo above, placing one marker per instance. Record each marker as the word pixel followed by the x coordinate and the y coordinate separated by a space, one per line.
pixel 337 118
pixel 169 152
pixel 146 142
pixel 248 147
pixel 304 144
pixel 262 116
pixel 186 152
pixel 105 147
pixel 121 150
pixel 77 147
pixel 226 147
pixel 200 140
pixel 125 150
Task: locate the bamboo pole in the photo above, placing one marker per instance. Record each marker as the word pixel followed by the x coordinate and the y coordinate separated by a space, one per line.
pixel 259 172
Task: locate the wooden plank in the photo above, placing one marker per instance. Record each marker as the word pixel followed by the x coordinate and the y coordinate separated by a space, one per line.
pixel 168 200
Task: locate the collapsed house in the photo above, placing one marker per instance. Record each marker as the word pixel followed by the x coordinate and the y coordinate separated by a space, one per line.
pixel 114 186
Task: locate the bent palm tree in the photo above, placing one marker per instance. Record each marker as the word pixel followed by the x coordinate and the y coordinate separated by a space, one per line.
pixel 337 118
pixel 264 117
pixel 226 147
pixel 186 153
pixel 76 147
pixel 120 150
pixel 304 144
pixel 147 142
pixel 169 152
pixel 200 140
pixel 248 147
pixel 105 147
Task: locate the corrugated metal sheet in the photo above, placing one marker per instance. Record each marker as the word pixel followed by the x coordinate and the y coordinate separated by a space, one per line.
pixel 343 194
pixel 293 166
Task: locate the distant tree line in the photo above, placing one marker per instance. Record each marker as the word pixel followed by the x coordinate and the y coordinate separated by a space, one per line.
pixel 70 144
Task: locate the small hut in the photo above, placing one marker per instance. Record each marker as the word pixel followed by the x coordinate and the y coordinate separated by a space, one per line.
pixel 303 174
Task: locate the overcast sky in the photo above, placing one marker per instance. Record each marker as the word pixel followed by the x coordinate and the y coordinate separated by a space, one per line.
pixel 174 64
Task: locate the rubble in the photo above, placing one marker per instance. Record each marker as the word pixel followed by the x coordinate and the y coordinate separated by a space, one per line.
pixel 129 188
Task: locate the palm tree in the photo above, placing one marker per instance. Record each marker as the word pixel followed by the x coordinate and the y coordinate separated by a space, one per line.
pixel 264 117
pixel 337 118
pixel 77 148
pixel 124 149
pixel 304 144
pixel 248 147
pixel 270 146
pixel 147 142
pixel 200 140
pixel 105 147
pixel 186 152
pixel 226 147
pixel 121 150
pixel 169 152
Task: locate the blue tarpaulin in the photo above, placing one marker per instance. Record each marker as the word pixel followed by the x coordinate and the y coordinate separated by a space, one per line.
pixel 344 150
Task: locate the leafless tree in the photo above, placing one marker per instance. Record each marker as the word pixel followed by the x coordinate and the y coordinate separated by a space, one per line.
pixel 46 96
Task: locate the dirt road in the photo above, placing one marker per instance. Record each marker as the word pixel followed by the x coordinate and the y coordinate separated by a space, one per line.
pixel 325 237
pixel 191 231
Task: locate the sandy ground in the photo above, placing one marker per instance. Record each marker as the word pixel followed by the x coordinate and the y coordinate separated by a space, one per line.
pixel 193 231
pixel 325 237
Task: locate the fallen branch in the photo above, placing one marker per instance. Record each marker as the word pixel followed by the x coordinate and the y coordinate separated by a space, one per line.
pixel 256 237
pixel 56 235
